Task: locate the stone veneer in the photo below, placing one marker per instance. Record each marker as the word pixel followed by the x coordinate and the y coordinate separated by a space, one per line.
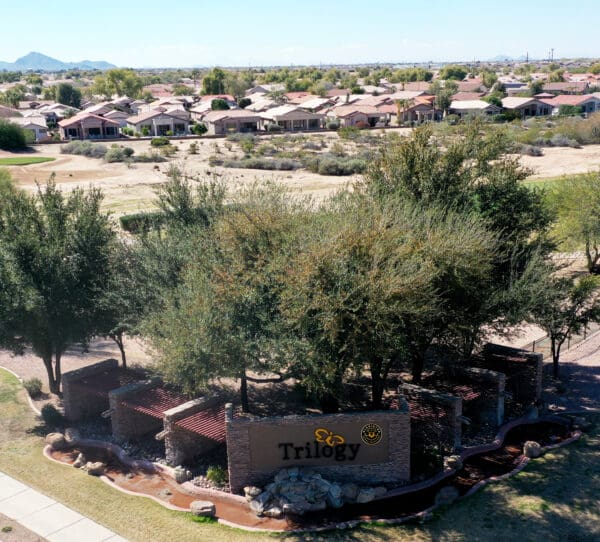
pixel 243 472
pixel 182 444
pixel 437 403
pixel 78 402
pixel 523 370
pixel 127 423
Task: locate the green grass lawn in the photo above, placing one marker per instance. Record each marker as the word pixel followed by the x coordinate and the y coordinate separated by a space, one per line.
pixel 555 498
pixel 25 160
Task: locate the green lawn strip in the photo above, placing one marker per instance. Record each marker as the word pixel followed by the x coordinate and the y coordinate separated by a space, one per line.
pixel 25 160
pixel 554 498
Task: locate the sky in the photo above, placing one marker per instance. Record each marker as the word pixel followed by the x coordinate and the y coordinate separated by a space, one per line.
pixel 186 33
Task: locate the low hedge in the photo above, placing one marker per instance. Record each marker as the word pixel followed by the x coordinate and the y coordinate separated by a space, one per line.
pixel 141 222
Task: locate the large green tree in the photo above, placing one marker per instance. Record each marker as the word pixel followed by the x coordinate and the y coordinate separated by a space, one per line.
pixel 57 247
pixel 67 94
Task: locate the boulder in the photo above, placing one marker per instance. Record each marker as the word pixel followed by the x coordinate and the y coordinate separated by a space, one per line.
pixel 80 461
pixel 251 492
pixel 350 492
pixel 57 441
pixel 446 495
pixel 366 494
pixel 453 462
pixel 95 468
pixel 72 436
pixel 273 512
pixel 532 449
pixel 259 504
pixel 181 475
pixel 205 509
pixel 380 491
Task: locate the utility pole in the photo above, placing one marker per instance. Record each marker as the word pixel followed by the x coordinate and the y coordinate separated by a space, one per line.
pixel 552 54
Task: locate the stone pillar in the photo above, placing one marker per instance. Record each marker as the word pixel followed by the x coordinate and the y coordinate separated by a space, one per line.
pixel 181 444
pixel 126 422
pixel 77 403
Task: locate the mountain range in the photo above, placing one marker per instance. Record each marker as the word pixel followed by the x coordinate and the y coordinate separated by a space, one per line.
pixel 39 62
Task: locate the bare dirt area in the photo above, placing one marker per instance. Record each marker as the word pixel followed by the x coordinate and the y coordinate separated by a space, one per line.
pixel 11 531
pixel 558 161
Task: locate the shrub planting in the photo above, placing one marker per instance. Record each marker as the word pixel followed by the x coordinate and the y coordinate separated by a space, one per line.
pixel 51 416
pixel 33 387
pixel 84 148
pixel 141 222
pixel 12 136
pixel 160 141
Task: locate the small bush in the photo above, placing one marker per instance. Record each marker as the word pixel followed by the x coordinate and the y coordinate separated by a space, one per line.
pixel 329 164
pixel 193 148
pixel 333 125
pixel 560 140
pixel 160 141
pixel 168 150
pixel 263 163
pixel 349 132
pixel 51 416
pixel 84 148
pixel 149 157
pixel 33 387
pixel 118 154
pixel 12 136
pixel 141 222
pixel 217 475
pixel 273 127
pixel 530 150
pixel 199 128
pixel 145 131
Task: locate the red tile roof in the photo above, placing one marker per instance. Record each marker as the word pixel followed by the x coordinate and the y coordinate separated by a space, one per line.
pixel 209 423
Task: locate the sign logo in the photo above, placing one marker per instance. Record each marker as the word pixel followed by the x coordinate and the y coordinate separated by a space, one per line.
pixel 371 434
pixel 325 436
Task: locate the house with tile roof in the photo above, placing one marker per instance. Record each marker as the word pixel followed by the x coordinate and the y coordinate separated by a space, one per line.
pixel 160 123
pixel 231 121
pixel 292 118
pixel 88 126
pixel 527 107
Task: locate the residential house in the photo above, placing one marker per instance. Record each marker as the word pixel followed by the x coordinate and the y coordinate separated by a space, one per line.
pixel 119 116
pixel 527 107
pixel 232 120
pixel 473 107
pixel 36 125
pixel 577 87
pixel 471 85
pixel 88 126
pixel 316 104
pixel 266 88
pixel 8 112
pixel 160 123
pixel 292 118
pixel 462 96
pixel 415 86
pixel 589 103
pixel 418 110
pixel 358 115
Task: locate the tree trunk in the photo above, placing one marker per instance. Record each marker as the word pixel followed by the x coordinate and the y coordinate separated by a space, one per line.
pixel 53 381
pixel 118 338
pixel 244 392
pixel 378 378
pixel 418 364
pixel 591 256
pixel 57 371
pixel 555 348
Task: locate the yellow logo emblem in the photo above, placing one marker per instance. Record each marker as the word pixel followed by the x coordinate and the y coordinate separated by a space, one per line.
pixel 326 436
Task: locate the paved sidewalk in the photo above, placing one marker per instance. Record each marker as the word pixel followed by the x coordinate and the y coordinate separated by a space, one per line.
pixel 48 518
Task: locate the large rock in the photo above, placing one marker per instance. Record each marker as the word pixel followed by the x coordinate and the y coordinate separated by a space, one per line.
pixel 205 509
pixel 57 441
pixel 366 494
pixel 334 496
pixel 96 468
pixel 453 462
pixel 380 491
pixel 72 436
pixel 181 475
pixel 446 495
pixel 81 461
pixel 350 492
pixel 532 449
pixel 273 512
pixel 260 503
pixel 251 492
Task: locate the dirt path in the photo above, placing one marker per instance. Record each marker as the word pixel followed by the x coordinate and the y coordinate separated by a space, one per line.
pixel 558 161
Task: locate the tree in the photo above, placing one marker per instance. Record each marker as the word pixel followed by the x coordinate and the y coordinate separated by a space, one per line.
pixel 564 308
pixel 488 78
pixel 443 94
pixel 119 81
pixel 214 82
pixel 12 136
pixel 576 201
pixel 536 87
pixel 67 94
pixel 244 102
pixel 58 248
pixel 219 104
pixel 453 72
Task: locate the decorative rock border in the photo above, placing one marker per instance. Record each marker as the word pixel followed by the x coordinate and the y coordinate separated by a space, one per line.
pixel 206 493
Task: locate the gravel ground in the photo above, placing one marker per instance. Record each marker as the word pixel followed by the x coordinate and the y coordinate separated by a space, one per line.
pixel 11 531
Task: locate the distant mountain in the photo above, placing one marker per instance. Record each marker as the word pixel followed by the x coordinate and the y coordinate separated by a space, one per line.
pixel 508 58
pixel 39 62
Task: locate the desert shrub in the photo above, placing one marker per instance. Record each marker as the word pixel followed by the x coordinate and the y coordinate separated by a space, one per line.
pixel 530 150
pixel 160 141
pixel 52 416
pixel 561 140
pixel 313 145
pixel 128 131
pixel 84 148
pixel 273 127
pixel 118 154
pixel 337 149
pixel 349 132
pixel 333 125
pixel 145 131
pixel 257 162
pixel 215 161
pixel 193 149
pixel 217 475
pixel 168 150
pixel 141 222
pixel 149 157
pixel 12 136
pixel 329 164
pixel 33 387
pixel 265 149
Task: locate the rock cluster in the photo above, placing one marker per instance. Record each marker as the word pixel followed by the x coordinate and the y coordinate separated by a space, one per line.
pixel 203 509
pixel 453 462
pixel 182 474
pixel 57 441
pixel 296 491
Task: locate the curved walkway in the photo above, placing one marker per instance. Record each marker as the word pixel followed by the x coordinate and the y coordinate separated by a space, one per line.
pixel 48 518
